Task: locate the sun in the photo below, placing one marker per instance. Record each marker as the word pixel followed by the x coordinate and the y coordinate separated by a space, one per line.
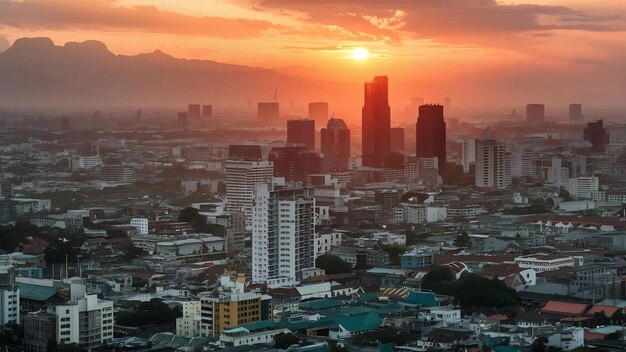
pixel 360 54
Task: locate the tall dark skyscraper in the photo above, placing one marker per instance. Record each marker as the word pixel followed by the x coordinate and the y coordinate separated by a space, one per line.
pixel 194 111
pixel 430 135
pixel 335 145
pixel 576 113
pixel 301 132
pixel 318 111
pixel 595 133
pixel 376 122
pixel 535 113
pixel 397 140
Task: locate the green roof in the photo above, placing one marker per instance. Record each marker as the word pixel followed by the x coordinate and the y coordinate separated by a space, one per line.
pixel 36 292
pixel 322 304
pixel 359 322
pixel 425 299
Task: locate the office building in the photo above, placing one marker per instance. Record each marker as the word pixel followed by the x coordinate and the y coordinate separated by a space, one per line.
pixel 235 225
pixel 428 171
pixel 39 327
pixel 207 111
pixel 335 145
pixel 596 134
pixel 294 163
pixel 245 152
pixel 87 321
pixel 493 166
pixel 583 187
pixel 430 132
pixel 232 306
pixel 468 156
pixel 241 180
pixel 268 111
pixel 376 122
pixel 576 113
pixel 182 120
pixel 535 113
pixel 301 131
pixel 140 224
pixel 318 111
pixel 189 324
pixel 194 111
pixel 397 140
pixel 283 234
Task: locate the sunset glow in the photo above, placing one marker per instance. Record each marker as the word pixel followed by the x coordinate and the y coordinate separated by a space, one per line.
pixel 360 54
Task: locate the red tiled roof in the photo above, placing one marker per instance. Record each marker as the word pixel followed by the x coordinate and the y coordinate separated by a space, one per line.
pixel 500 270
pixel 498 317
pixel 565 308
pixel 594 336
pixel 608 310
pixel 572 319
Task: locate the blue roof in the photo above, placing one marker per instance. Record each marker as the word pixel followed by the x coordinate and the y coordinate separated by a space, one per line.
pixel 36 292
pixel 425 299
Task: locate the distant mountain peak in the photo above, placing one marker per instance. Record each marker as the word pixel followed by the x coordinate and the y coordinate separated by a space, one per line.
pixel 28 45
pixel 89 47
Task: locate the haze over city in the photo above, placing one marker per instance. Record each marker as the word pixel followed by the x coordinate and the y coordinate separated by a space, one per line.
pixel 312 175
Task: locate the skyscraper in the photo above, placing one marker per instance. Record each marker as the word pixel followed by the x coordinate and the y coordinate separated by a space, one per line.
pixel 193 111
pixel 535 113
pixel 207 111
pixel 430 132
pixel 301 132
pixel 396 143
pixel 294 163
pixel 335 145
pixel 318 111
pixel 575 113
pixel 596 134
pixel 376 122
pixel 241 180
pixel 469 154
pixel 268 111
pixel 283 234
pixel 493 165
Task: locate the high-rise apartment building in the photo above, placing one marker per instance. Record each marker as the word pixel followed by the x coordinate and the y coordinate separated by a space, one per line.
pixel 397 140
pixel 583 187
pixel 535 113
pixel 268 111
pixel 283 234
pixel 493 165
pixel 596 134
pixel 576 113
pixel 468 156
pixel 207 110
pixel 295 163
pixel 430 132
pixel 318 111
pixel 376 122
pixel 241 180
pixel 301 132
pixel 9 298
pixel 335 145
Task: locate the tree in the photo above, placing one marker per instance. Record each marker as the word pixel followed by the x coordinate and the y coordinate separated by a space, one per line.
pixel 539 345
pixel 563 193
pixel 332 264
pixel 152 312
pixel 52 345
pixel 462 240
pixel 283 341
pixel 394 251
pixel 437 275
pixel 59 248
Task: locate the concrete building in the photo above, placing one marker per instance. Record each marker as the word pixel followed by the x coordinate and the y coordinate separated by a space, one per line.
pixel 189 324
pixel 335 145
pixel 535 113
pixel 282 234
pixel 268 111
pixel 301 131
pixel 325 242
pixel 141 224
pixel 190 247
pixel 469 154
pixel 241 180
pixel 493 167
pixel 417 258
pixel 431 135
pixel 546 262
pixel 9 298
pixel 583 187
pixel 376 122
pixel 576 114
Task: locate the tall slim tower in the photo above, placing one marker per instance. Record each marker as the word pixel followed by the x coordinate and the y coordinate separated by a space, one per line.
pixel 301 132
pixel 335 145
pixel 241 180
pixel 575 113
pixel 493 165
pixel 283 234
pixel 596 134
pixel 430 132
pixel 376 122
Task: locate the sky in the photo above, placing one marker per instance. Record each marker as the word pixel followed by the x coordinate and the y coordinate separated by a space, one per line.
pixel 409 40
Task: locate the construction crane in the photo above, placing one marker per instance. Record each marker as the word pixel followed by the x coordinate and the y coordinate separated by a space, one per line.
pixel 276 95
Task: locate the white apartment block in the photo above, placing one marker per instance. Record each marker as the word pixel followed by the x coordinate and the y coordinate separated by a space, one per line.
pixel 141 224
pixel 493 165
pixel 282 234
pixel 87 321
pixel 583 187
pixel 324 242
pixel 241 180
pixel 9 305
pixel 189 324
pixel 468 154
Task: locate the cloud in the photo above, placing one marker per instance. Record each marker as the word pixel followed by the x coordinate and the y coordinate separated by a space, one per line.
pixel 455 21
pixel 110 15
pixel 4 44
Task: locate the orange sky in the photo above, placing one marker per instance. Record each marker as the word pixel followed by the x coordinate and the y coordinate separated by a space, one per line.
pixel 417 40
